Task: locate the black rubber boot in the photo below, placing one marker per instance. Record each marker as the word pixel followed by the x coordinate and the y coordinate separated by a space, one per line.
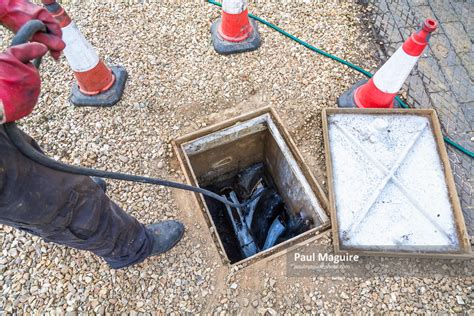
pixel 101 183
pixel 166 234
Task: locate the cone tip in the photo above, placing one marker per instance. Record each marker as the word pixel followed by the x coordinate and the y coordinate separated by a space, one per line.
pixel 430 25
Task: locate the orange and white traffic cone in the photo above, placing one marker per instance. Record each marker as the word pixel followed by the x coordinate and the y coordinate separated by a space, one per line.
pixel 234 32
pixel 380 90
pixel 97 84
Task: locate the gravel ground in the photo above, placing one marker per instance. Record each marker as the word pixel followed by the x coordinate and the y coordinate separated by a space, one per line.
pixel 178 84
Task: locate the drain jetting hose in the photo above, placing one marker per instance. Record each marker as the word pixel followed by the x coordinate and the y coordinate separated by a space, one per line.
pixel 342 61
pixel 18 140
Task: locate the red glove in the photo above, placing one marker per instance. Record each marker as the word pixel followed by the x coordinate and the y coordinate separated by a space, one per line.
pixel 15 13
pixel 19 81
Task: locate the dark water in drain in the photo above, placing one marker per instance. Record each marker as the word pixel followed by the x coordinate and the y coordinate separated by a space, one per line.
pixel 270 214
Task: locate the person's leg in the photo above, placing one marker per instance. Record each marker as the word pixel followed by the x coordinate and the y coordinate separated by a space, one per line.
pixel 71 210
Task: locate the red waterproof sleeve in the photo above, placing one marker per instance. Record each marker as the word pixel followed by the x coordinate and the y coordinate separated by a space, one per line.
pixel 3 8
pixel 15 13
pixel 19 81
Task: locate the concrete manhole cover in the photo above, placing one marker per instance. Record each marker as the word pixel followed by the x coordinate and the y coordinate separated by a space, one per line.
pixel 391 187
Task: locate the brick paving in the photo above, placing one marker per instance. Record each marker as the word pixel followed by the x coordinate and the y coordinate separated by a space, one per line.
pixel 443 78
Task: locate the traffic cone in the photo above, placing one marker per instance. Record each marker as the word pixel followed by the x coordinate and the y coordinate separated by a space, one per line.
pixel 234 32
pixel 97 84
pixel 380 90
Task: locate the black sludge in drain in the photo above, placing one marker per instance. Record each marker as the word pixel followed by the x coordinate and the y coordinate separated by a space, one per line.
pixel 268 208
pixel 224 229
pixel 295 225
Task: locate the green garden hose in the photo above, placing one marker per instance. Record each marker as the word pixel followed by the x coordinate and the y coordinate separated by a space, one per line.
pixel 342 61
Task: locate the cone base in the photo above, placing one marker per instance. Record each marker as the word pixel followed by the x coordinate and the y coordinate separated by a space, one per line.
pixel 106 98
pixel 224 47
pixel 346 100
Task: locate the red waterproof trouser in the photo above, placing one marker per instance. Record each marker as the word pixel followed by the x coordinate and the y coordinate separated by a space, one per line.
pixel 67 209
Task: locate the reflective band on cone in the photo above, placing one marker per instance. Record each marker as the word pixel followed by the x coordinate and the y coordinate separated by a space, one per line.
pixel 235 25
pixel 80 55
pixel 92 75
pixel 381 89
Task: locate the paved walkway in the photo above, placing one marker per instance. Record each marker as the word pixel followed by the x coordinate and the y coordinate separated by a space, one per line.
pixel 443 78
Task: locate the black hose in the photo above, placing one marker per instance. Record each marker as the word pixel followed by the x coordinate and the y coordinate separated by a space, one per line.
pixel 18 140
pixel 16 137
pixel 26 32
